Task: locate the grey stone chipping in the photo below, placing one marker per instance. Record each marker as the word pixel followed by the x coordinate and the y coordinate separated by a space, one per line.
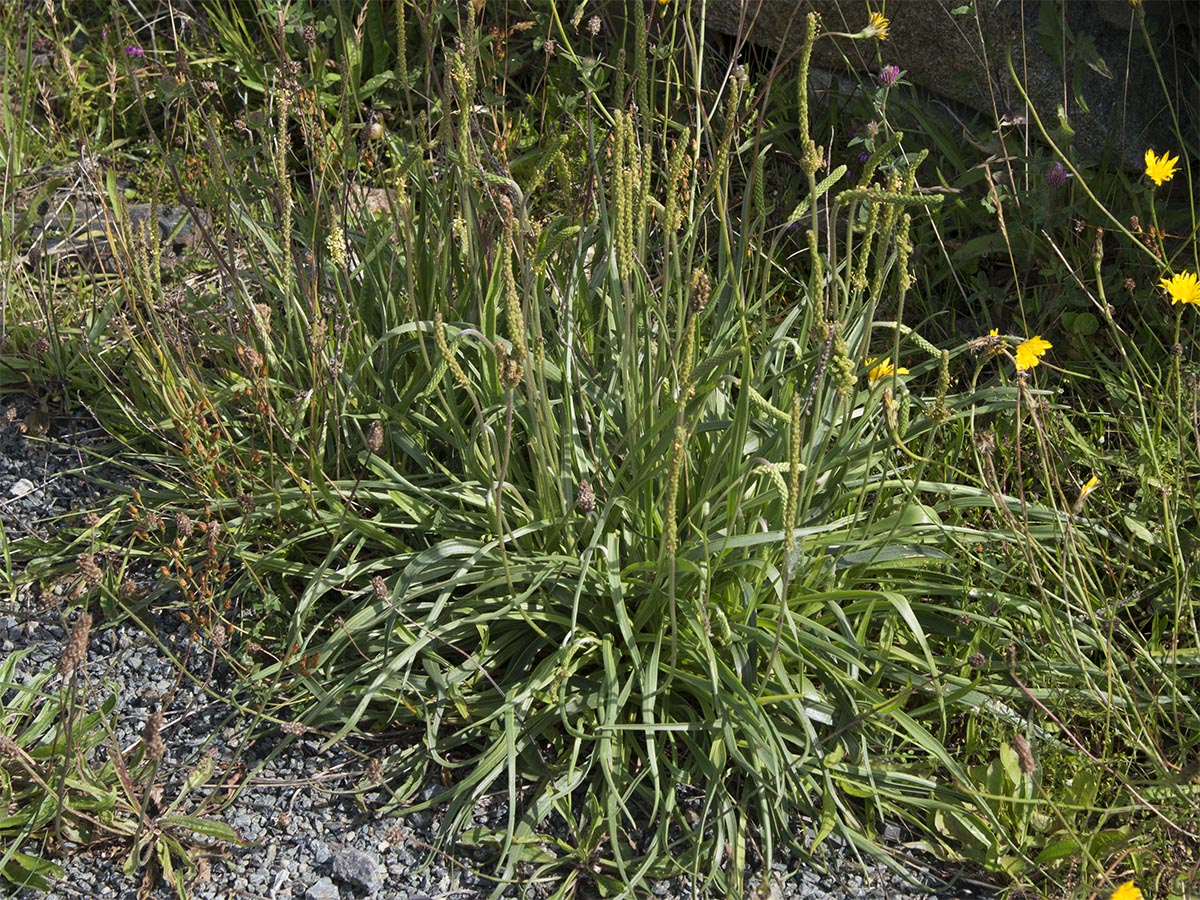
pixel 322 889
pixel 359 869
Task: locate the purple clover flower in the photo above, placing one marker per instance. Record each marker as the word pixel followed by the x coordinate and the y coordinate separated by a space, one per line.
pixel 1056 175
pixel 134 51
pixel 888 75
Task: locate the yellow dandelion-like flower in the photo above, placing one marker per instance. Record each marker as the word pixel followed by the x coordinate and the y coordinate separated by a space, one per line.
pixel 877 27
pixel 1160 168
pixel 994 332
pixel 1084 492
pixel 1030 352
pixel 1135 3
pixel 883 369
pixel 1127 891
pixel 1092 484
pixel 1183 288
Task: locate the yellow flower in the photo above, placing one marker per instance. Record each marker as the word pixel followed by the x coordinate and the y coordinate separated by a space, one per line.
pixel 1029 353
pixel 1135 3
pixel 884 369
pixel 1183 288
pixel 1160 168
pixel 995 332
pixel 1085 492
pixel 877 27
pixel 1092 484
pixel 1127 891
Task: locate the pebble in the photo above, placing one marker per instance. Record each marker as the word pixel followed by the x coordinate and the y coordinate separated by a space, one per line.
pixel 322 889
pixel 358 869
pixel 20 488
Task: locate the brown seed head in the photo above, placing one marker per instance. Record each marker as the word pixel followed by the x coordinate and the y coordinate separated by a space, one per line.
pixel 89 569
pixel 375 772
pixel 511 370
pixel 977 660
pixel 252 358
pixel 586 497
pixel 75 652
pixel 9 748
pixel 379 586
pixel 1024 754
pixel 375 437
pixel 152 742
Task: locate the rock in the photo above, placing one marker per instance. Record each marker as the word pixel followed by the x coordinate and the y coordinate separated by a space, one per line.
pixel 358 869
pixel 20 488
pixel 1114 99
pixel 321 853
pixel 322 889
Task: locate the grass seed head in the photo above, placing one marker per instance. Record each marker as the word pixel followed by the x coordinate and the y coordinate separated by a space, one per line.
pixel 152 742
pixel 701 291
pixel 585 497
pixel 375 437
pixel 511 370
pixel 90 570
pixel 1024 754
pixel 75 652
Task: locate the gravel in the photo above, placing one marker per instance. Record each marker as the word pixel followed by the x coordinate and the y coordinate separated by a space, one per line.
pixel 309 830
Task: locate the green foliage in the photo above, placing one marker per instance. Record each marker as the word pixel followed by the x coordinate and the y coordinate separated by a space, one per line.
pixel 549 449
pixel 65 783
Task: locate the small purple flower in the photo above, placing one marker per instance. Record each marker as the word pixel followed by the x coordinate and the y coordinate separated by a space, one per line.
pixel 863 156
pixel 1056 175
pixel 888 75
pixel 104 33
pixel 134 51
